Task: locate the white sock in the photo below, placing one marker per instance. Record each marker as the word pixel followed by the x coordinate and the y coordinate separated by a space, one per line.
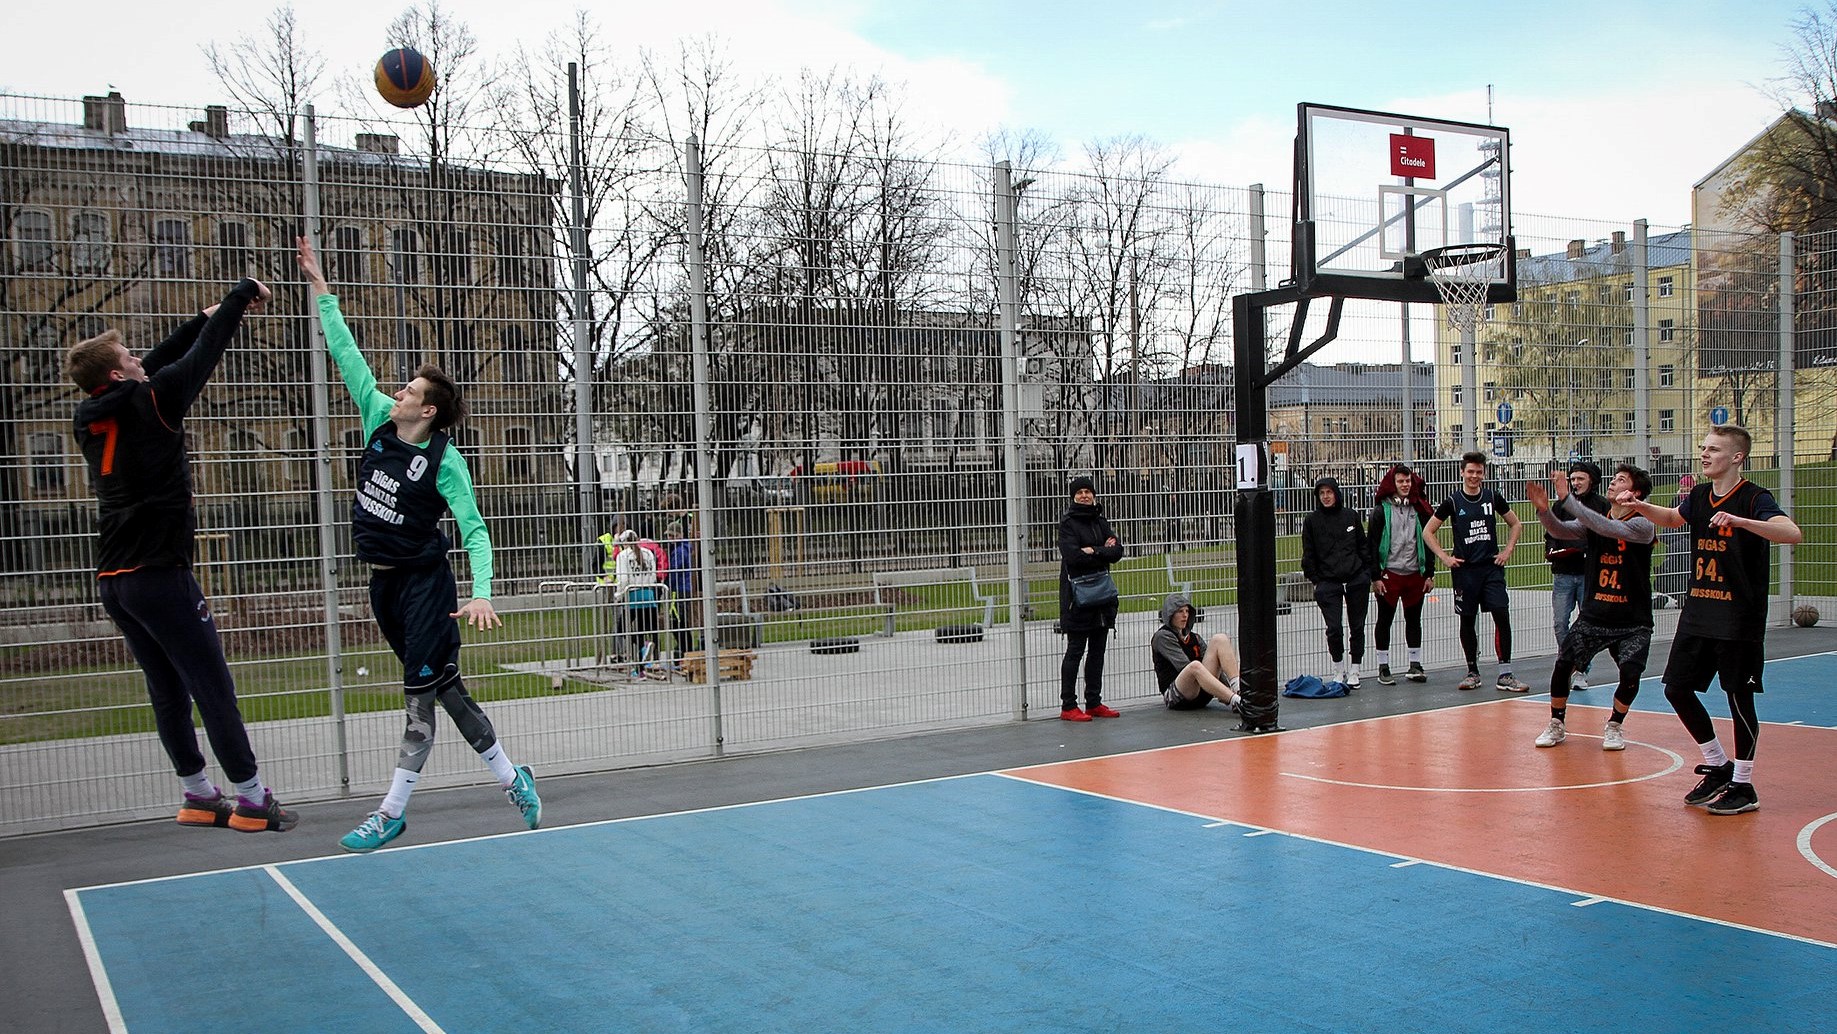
pixel 1744 771
pixel 1712 753
pixel 396 802
pixel 1384 657
pixel 500 764
pixel 1415 655
pixel 252 790
pixel 198 785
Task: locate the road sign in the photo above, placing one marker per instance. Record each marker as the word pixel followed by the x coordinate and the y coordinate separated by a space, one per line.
pixel 1502 445
pixel 1719 415
pixel 1505 412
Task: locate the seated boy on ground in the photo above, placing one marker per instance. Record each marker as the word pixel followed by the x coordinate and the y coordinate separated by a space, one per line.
pixel 1192 672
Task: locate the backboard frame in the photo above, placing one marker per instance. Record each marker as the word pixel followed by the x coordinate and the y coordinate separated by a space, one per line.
pixel 1392 270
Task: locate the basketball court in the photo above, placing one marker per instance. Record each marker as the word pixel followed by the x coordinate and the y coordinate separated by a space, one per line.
pixel 1427 869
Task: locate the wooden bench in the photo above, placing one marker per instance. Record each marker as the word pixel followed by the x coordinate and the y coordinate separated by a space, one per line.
pixel 886 581
pixel 734 665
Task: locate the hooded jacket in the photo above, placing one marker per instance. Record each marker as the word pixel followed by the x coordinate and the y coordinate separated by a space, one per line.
pixel 1084 525
pixel 1332 540
pixel 1378 528
pixel 1174 649
pixel 1566 556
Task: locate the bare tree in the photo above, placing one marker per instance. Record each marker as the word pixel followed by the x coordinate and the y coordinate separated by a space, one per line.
pixel 270 75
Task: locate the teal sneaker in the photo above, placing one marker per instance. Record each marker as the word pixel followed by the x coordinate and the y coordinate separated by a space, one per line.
pixel 522 793
pixel 372 833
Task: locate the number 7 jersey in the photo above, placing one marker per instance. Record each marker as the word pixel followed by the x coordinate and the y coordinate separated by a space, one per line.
pixel 1729 575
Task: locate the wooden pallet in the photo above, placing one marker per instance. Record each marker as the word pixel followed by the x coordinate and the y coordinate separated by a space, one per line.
pixel 734 665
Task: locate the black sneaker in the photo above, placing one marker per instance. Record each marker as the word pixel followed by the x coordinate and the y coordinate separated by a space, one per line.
pixel 268 815
pixel 1736 798
pixel 207 811
pixel 1715 777
pixel 1385 678
pixel 1416 674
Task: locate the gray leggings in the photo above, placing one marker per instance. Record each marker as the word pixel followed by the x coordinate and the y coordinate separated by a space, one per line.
pixel 418 736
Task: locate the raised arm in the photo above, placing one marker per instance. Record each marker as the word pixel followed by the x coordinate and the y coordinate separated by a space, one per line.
pixel 177 379
pixel 373 404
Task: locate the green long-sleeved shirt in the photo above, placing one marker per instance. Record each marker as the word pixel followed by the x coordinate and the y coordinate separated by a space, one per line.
pixel 454 478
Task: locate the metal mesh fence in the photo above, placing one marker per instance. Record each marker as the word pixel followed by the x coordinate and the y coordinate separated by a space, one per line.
pixel 858 563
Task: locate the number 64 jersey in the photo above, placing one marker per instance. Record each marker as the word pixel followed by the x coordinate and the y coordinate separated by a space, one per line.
pixel 1619 571
pixel 1729 575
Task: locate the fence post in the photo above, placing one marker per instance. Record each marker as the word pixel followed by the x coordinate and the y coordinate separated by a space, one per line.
pixel 586 467
pixel 704 452
pixel 1642 346
pixel 1007 282
pixel 322 470
pixel 1785 428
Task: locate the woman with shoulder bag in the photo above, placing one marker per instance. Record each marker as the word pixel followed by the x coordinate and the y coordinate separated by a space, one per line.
pixel 1087 601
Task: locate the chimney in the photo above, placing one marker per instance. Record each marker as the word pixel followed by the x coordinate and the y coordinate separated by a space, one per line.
pixel 106 114
pixel 1524 253
pixel 1620 241
pixel 216 122
pixel 377 143
pixel 1577 248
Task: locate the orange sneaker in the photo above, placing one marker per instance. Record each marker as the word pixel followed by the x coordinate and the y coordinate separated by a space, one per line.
pixel 1103 711
pixel 1073 714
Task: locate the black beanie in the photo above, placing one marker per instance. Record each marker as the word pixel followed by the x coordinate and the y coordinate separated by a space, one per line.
pixel 1593 472
pixel 1081 483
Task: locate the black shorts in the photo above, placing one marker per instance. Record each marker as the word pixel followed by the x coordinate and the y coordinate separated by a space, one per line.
pixel 1628 646
pixel 1479 585
pixel 1695 659
pixel 1176 702
pixel 414 608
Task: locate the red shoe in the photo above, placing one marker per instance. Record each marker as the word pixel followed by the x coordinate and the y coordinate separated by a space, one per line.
pixel 1073 714
pixel 1103 711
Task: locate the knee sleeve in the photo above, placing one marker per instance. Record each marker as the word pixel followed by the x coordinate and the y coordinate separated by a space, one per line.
pixel 1629 685
pixel 471 721
pixel 1691 712
pixel 418 735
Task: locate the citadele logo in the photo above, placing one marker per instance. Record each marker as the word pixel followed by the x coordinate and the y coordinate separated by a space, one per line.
pixel 1413 156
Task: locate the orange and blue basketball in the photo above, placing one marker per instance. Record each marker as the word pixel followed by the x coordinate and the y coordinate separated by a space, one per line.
pixel 405 78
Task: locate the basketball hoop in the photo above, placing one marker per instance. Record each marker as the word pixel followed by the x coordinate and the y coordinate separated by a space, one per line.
pixel 1461 274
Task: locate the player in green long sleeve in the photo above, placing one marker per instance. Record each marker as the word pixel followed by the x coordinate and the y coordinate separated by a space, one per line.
pixel 395 524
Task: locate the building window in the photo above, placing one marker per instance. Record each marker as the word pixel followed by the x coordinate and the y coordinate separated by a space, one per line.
pixel 89 242
pixel 1489 314
pixel 1457 393
pixel 47 463
pixel 172 249
pixel 1667 330
pixel 519 456
pixel 1629 424
pixel 1630 377
pixel 1667 376
pixel 233 259
pixel 32 241
pixel 1345 426
pixel 1456 430
pixel 1326 425
pixel 458 259
pixel 1667 286
pixel 299 467
pixel 1626 338
pixel 1667 420
pixel 404 255
pixel 347 257
pixel 1454 355
pixel 1489 353
pixel 1572 297
pixel 1626 294
pixel 1492 389
pixel 1607 380
pixel 515 357
pixel 1604 294
pixel 940 421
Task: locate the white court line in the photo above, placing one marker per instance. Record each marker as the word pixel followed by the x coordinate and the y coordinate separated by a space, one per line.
pixel 1260 832
pixel 1641 905
pixel 1676 763
pixel 375 972
pixel 1804 842
pixel 111 1009
pixel 1215 825
pixel 1585 902
pixel 1406 863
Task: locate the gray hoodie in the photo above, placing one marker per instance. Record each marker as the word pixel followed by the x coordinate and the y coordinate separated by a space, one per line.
pixel 1173 651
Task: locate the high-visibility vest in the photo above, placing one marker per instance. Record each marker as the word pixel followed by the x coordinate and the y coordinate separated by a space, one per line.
pixel 609 567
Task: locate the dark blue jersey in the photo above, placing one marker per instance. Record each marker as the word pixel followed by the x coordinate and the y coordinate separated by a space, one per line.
pixel 395 521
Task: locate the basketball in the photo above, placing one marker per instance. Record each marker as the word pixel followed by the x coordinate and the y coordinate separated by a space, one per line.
pixel 1805 616
pixel 405 78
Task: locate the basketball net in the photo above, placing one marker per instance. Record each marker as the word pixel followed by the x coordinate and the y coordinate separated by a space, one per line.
pixel 1461 274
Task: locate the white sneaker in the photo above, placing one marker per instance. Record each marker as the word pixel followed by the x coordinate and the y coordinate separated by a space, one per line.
pixel 1554 735
pixel 1578 682
pixel 1352 679
pixel 1612 738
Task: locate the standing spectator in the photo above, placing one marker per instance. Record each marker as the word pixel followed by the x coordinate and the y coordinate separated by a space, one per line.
pixel 1333 558
pixel 1568 561
pixel 410 476
pixel 1477 567
pixel 1402 564
pixel 1087 545
pixel 636 590
pixel 685 614
pixel 1722 632
pixel 130 428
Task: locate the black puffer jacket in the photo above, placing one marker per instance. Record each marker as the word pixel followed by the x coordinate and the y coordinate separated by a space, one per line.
pixel 1333 540
pixel 1084 526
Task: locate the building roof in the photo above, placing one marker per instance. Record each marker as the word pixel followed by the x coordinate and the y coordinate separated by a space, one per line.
pixel 1348 384
pixel 1665 249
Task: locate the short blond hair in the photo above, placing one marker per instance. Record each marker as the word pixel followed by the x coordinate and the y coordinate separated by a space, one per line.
pixel 1744 442
pixel 89 362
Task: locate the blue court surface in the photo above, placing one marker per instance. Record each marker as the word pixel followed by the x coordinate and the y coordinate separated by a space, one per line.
pixel 1796 690
pixel 978 903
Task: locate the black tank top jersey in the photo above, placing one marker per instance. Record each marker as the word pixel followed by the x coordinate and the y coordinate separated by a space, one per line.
pixel 142 475
pixel 1729 575
pixel 395 520
pixel 1619 578
pixel 1475 523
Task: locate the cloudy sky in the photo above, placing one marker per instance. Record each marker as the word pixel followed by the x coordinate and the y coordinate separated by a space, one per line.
pixel 1615 108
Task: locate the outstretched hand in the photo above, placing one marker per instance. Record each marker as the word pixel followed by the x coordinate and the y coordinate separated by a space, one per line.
pixel 479 614
pixel 261 298
pixel 1537 494
pixel 309 264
